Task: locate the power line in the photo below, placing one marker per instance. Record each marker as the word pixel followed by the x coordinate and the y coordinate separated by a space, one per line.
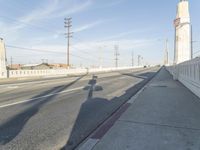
pixel 42 28
pixel 139 60
pixel 196 52
pixel 32 49
pixel 47 51
pixel 87 53
pixel 27 24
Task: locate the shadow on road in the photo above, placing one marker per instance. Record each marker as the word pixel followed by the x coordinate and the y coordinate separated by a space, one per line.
pixel 141 75
pixel 11 128
pixel 96 110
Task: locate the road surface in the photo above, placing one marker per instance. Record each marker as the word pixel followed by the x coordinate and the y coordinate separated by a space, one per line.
pixel 56 113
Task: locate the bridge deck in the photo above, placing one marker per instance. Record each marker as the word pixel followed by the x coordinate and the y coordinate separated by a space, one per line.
pixel 165 116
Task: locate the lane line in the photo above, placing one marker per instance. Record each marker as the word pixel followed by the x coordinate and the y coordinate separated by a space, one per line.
pixel 28 83
pixel 132 100
pixel 33 99
pixel 109 74
pixel 47 81
pixel 44 83
pixel 89 144
pixel 66 91
pixel 13 87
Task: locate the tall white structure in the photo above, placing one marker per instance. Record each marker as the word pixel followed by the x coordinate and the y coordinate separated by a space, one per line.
pixel 183 47
pixel 3 71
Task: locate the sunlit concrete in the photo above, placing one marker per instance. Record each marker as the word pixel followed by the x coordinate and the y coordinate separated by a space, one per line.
pixel 3 72
pixel 188 73
pixel 183 39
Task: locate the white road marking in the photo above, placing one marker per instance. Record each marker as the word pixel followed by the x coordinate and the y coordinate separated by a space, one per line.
pixel 132 100
pixel 89 144
pixel 33 82
pixel 66 91
pixel 33 99
pixel 13 87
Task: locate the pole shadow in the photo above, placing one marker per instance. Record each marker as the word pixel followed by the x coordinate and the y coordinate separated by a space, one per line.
pixel 96 110
pixel 11 128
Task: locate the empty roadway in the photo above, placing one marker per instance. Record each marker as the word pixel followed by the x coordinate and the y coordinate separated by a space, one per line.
pixel 51 113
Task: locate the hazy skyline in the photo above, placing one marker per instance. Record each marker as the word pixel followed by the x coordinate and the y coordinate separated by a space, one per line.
pixel 141 26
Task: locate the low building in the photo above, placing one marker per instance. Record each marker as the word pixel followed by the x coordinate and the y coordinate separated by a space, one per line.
pixel 14 67
pixel 43 66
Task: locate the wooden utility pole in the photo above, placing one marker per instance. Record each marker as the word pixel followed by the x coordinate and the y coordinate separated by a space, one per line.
pixel 11 62
pixel 116 55
pixel 132 59
pixel 139 57
pixel 68 25
pixel 100 57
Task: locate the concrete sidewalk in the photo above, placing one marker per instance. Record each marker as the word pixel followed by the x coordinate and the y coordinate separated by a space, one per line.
pixel 165 116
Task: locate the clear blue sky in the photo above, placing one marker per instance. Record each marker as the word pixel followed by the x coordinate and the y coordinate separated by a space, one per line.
pixel 139 25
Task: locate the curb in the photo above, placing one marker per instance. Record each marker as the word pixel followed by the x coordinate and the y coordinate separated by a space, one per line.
pixel 90 141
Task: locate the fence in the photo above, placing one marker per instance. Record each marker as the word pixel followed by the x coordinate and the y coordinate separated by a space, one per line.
pixel 60 72
pixel 188 73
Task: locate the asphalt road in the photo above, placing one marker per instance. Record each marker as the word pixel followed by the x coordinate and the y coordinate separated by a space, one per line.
pixel 61 112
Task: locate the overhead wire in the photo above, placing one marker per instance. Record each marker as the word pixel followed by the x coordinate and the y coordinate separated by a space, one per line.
pixel 44 50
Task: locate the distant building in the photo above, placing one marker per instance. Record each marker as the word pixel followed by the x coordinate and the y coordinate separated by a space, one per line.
pixel 14 67
pixel 43 66
pixel 59 66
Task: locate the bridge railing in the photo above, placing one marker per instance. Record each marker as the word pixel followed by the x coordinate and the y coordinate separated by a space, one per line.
pixel 60 72
pixel 188 73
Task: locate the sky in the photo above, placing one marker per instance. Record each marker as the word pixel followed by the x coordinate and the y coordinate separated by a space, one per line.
pixel 140 27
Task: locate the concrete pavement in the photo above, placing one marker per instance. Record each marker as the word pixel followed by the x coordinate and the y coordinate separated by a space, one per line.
pixel 51 114
pixel 164 116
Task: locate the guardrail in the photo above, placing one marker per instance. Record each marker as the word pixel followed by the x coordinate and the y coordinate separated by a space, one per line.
pixel 60 72
pixel 188 73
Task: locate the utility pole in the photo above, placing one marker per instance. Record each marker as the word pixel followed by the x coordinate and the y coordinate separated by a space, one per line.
pixel 44 61
pixel 11 62
pixel 100 57
pixel 116 55
pixel 132 59
pixel 139 60
pixel 166 58
pixel 192 43
pixel 68 25
pixel 142 61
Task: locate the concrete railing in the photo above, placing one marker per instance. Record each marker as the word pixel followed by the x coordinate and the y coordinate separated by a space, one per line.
pixel 60 72
pixel 188 73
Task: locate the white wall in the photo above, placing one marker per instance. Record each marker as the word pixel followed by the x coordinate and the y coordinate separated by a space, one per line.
pixel 183 34
pixel 60 72
pixel 3 71
pixel 188 73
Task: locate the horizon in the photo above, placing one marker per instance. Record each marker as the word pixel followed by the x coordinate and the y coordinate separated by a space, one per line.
pixel 136 27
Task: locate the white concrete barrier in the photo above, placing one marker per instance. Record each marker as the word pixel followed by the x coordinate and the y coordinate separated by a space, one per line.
pixel 188 73
pixel 60 72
